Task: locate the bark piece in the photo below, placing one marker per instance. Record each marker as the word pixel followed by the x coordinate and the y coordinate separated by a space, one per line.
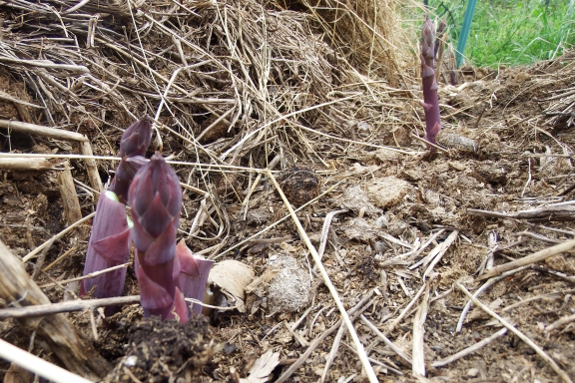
pixel 75 352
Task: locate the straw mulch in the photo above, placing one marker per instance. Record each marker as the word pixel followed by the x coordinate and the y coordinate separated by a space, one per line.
pixel 324 94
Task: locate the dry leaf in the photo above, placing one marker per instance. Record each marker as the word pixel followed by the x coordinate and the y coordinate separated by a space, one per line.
pixel 233 277
pixel 262 368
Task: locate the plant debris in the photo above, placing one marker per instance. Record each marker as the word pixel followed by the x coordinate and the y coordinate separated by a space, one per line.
pixel 240 92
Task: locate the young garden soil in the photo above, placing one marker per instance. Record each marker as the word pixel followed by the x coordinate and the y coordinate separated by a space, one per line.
pixel 398 227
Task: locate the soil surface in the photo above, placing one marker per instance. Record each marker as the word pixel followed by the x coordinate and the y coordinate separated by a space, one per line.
pixel 396 225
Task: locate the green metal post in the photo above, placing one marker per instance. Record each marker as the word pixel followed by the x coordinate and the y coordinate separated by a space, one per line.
pixel 467 18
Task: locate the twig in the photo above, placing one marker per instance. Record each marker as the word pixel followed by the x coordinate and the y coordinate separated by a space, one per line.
pixel 418 352
pixel 75 7
pixel 40 261
pixel 8 97
pixel 488 261
pixel 538 297
pixel 425 244
pixel 443 249
pixel 271 226
pixel 392 239
pixel 45 131
pixel 441 39
pixel 25 164
pixel 357 309
pixel 59 335
pixel 481 290
pixel 535 257
pixel 374 361
pixel 46 64
pixel 325 233
pixel 558 274
pixel 359 347
pixel 429 143
pixel 492 243
pixel 550 213
pixel 437 252
pixel 37 365
pixel 529 178
pixel 406 310
pixel 208 167
pixel 66 307
pixel 479 117
pixel 522 336
pixel 91 167
pixel 31 254
pixel 386 340
pixel 330 357
pixel 220 308
pixel 88 276
pixel 539 237
pixel 560 323
pixel 69 195
pixel 469 350
pixel 60 258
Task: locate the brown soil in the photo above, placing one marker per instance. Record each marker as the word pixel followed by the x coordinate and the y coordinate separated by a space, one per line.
pixel 393 201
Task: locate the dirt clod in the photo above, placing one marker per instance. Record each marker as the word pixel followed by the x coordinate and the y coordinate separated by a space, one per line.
pixel 165 351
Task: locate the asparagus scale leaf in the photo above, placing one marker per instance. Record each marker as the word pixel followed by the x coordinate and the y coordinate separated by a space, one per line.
pixel 109 246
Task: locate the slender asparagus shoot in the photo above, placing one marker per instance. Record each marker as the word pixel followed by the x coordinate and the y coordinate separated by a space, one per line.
pixel 430 99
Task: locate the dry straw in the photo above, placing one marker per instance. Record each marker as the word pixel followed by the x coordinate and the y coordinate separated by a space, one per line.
pixel 229 83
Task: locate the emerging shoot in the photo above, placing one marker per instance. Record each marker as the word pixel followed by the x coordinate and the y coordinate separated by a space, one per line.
pixel 430 99
pixel 156 198
pixel 133 145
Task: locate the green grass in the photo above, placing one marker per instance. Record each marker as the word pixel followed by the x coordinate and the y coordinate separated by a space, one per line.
pixel 512 32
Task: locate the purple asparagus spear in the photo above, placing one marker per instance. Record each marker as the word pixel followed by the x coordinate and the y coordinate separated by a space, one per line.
pixel 133 145
pixel 430 99
pixel 156 197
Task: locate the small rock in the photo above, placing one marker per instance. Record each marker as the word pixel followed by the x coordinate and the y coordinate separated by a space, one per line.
pixel 413 174
pixel 492 173
pixel 388 191
pixel 356 200
pixel 358 229
pixel 382 221
pixel 473 372
pixel 290 289
pixel 300 185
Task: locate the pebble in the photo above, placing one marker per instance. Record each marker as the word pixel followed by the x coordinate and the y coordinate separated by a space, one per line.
pixel 473 372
